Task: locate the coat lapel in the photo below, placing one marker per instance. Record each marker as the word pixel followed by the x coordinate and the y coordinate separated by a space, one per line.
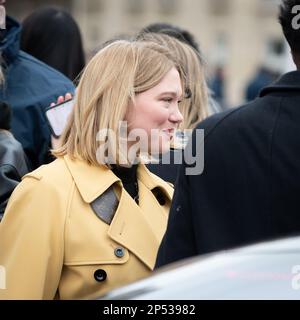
pixel 137 228
pixel 90 180
pixel 141 228
pixel 130 228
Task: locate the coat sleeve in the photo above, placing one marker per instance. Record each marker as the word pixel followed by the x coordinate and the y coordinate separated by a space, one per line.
pixel 31 241
pixel 178 242
pixel 9 178
pixel 12 167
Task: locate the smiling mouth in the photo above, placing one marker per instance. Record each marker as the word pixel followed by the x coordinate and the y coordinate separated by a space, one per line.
pixel 168 132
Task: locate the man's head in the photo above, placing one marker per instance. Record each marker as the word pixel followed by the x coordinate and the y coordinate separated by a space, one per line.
pixel 173 31
pixel 289 9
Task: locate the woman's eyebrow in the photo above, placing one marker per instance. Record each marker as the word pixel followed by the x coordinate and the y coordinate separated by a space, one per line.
pixel 173 93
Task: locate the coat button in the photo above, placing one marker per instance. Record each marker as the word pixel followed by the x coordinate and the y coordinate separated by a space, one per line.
pixel 119 252
pixel 100 275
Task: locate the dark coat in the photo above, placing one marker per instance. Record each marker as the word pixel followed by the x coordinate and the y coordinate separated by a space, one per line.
pixel 249 190
pixel 167 171
pixel 30 86
pixel 12 167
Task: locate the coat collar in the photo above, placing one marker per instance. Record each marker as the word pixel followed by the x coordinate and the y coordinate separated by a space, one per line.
pixel 289 82
pixel 139 229
pixel 92 180
pixel 131 229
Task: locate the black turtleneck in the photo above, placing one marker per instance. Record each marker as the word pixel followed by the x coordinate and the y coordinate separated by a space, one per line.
pixel 128 177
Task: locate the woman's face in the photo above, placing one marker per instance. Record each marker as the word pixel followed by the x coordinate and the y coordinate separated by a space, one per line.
pixel 155 114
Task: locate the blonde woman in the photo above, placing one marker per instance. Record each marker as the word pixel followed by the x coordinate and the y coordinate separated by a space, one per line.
pixel 194 108
pixel 91 221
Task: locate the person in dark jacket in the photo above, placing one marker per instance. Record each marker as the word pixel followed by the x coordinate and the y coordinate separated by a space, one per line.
pixel 249 189
pixel 12 158
pixel 29 88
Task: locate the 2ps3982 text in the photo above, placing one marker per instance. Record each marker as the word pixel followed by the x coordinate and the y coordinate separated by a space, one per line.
pixel 150 309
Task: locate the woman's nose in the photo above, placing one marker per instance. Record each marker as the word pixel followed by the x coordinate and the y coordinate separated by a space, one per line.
pixel 176 115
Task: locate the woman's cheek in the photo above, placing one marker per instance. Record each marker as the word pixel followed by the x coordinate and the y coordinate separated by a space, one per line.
pixel 160 116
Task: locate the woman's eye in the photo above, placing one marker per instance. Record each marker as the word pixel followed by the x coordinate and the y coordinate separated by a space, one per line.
pixel 167 99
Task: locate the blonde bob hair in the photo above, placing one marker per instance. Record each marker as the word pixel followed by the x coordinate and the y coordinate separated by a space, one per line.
pixel 195 107
pixel 109 82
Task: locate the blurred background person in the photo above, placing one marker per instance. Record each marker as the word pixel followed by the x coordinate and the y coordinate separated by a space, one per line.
pixel 217 84
pixel 271 67
pixel 173 31
pixel 52 35
pixel 12 158
pixel 29 86
pixel 263 77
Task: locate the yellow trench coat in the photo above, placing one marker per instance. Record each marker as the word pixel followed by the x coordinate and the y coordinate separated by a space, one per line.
pixel 53 245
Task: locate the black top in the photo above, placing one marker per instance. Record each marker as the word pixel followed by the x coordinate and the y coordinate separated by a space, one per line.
pixel 167 171
pixel 128 177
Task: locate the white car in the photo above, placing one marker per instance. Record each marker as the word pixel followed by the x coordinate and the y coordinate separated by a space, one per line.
pixel 269 270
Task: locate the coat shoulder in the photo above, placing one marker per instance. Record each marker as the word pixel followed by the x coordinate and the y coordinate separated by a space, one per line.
pixel 41 71
pixel 54 175
pixel 41 193
pixel 216 121
pixel 260 112
pixel 43 86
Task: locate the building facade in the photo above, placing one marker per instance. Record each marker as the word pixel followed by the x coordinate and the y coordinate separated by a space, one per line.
pixel 234 34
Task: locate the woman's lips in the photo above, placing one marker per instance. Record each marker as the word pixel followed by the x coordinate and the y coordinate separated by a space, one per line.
pixel 168 132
